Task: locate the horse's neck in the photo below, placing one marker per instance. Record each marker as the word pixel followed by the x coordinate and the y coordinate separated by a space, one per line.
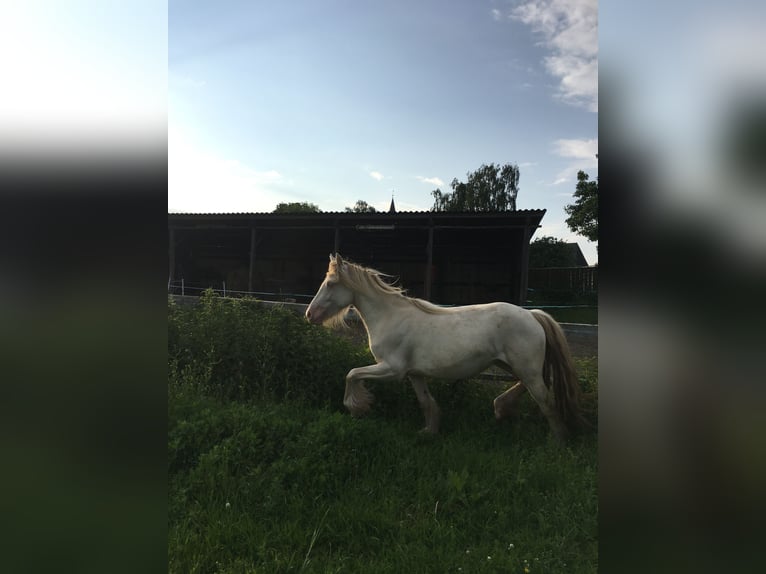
pixel 376 310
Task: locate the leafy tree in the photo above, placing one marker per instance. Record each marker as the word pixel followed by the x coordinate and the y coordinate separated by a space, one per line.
pixel 583 214
pixel 489 188
pixel 297 207
pixel 361 206
pixel 548 252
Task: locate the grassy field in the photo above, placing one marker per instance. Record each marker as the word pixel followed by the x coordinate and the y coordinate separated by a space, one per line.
pixel 267 474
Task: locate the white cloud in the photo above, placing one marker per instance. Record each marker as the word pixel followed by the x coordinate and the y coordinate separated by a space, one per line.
pixel 496 14
pixel 577 149
pixel 376 175
pixel 582 156
pixel 570 30
pixel 430 180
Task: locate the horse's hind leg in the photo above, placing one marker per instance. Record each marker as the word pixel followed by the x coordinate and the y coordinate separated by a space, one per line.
pixel 427 403
pixel 544 398
pixel 506 404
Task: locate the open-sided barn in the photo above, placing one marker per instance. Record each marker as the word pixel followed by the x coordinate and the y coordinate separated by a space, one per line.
pixel 447 258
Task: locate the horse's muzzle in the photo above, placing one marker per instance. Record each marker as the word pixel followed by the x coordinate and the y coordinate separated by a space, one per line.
pixel 314 316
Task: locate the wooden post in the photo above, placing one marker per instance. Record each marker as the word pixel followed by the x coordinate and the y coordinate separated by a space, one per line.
pixel 172 255
pixel 524 266
pixel 429 260
pixel 252 259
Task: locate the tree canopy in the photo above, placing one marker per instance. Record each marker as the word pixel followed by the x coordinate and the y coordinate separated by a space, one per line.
pixel 548 252
pixel 489 188
pixel 361 206
pixel 297 207
pixel 583 214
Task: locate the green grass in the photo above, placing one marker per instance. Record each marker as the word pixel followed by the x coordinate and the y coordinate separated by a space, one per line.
pixel 293 484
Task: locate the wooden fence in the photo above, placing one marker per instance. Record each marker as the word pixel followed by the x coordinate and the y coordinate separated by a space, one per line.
pixel 572 279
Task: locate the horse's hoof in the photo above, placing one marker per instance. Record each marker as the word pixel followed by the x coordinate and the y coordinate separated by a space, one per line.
pixel 562 438
pixel 506 412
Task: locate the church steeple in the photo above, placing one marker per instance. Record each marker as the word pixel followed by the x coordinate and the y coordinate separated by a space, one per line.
pixel 392 208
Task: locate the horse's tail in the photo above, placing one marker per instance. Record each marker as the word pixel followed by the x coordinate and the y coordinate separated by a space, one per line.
pixel 559 371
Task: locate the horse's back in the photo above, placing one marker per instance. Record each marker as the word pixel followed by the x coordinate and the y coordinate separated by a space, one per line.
pixel 483 318
pixel 497 315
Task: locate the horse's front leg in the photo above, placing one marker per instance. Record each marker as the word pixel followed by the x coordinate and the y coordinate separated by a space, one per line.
pixel 357 398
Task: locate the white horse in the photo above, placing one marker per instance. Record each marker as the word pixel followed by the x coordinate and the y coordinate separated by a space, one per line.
pixel 412 338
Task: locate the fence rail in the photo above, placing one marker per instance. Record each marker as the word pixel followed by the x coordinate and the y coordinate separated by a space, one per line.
pixel 573 279
pixel 181 287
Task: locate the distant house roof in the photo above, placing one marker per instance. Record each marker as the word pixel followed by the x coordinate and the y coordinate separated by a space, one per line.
pixel 575 258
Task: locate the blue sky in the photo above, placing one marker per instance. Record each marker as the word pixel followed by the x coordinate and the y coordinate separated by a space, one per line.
pixel 334 101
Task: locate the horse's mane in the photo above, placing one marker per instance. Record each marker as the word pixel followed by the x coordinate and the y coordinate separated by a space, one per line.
pixel 367 280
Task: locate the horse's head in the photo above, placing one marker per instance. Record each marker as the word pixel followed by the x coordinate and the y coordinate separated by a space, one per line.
pixel 333 296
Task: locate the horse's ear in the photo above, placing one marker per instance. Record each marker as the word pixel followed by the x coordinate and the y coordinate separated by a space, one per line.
pixel 338 259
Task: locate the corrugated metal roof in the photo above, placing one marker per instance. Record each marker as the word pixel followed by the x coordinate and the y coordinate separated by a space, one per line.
pixel 353 214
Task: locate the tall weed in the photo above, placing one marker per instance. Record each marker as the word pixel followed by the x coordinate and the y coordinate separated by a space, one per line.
pixel 240 349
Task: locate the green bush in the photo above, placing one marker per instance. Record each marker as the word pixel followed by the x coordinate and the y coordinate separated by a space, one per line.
pixel 240 349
